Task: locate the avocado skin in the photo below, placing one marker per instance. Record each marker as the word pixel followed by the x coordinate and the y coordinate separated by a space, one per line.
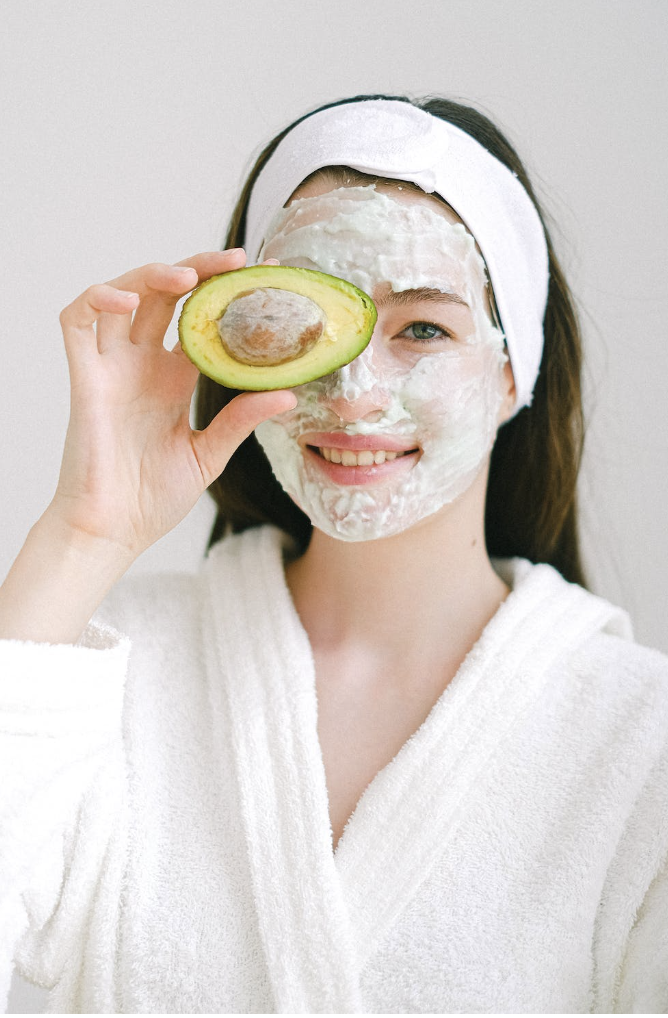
pixel 350 313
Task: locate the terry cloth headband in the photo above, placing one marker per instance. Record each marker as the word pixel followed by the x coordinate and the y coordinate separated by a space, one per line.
pixel 390 138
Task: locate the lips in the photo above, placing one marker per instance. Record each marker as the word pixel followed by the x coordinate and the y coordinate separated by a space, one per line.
pixel 358 459
pixel 340 440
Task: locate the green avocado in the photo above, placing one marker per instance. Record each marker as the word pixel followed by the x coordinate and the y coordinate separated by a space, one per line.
pixel 274 326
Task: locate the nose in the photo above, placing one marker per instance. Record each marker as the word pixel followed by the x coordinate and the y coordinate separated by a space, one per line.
pixel 355 391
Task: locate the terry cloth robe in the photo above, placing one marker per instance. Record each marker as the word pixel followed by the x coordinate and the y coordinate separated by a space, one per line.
pixel 166 848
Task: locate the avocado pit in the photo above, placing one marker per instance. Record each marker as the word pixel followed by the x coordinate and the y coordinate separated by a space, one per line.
pixel 269 326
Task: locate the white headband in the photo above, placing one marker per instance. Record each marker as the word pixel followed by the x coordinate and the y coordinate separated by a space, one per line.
pixel 395 139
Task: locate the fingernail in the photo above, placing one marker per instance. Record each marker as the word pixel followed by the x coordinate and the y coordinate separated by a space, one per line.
pixel 127 293
pixel 184 268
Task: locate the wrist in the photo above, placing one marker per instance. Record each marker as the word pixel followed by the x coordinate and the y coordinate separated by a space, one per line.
pixel 59 579
pixel 73 544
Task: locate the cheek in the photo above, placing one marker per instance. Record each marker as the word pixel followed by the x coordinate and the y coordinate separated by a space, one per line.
pixel 308 413
pixel 447 394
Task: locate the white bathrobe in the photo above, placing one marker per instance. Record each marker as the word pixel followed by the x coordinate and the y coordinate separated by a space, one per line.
pixel 166 845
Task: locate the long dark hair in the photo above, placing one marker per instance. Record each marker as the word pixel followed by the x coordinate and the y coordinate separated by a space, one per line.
pixel 531 508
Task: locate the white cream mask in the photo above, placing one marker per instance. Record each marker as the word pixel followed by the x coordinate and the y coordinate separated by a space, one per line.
pixel 440 399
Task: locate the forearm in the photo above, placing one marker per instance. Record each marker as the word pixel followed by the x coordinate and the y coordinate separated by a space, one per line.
pixel 56 584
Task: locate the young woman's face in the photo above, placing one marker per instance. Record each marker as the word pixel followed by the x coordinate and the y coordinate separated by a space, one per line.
pixel 405 429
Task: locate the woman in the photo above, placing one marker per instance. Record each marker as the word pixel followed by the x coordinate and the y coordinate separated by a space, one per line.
pixel 352 766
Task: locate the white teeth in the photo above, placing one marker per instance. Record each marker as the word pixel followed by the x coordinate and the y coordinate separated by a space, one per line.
pixel 363 458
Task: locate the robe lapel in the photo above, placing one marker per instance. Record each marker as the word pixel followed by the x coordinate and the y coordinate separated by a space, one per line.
pixel 321 915
pixel 411 810
pixel 270 691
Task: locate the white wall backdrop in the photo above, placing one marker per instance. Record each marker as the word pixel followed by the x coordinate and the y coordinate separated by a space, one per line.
pixel 128 127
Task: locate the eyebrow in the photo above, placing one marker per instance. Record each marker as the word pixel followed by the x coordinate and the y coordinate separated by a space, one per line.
pixel 399 298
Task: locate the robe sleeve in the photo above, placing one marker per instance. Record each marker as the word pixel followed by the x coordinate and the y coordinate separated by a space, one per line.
pixel 643 985
pixel 632 946
pixel 62 785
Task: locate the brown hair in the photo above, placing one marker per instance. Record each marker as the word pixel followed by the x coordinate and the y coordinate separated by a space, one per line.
pixel 531 507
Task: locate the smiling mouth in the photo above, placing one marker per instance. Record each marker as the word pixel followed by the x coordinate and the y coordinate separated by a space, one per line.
pixel 361 457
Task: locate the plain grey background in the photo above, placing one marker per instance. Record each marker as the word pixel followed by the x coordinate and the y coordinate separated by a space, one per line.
pixel 128 128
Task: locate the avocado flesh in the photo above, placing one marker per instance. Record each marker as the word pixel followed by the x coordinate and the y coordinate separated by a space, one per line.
pixel 350 316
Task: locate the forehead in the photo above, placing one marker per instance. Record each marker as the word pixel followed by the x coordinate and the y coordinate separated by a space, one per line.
pixel 466 274
pixel 399 192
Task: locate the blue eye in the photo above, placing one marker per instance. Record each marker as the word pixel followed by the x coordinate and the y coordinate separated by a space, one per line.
pixel 424 332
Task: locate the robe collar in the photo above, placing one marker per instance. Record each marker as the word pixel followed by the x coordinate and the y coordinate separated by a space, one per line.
pixel 321 913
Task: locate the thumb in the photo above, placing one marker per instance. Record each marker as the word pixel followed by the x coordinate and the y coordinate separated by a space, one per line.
pixel 235 422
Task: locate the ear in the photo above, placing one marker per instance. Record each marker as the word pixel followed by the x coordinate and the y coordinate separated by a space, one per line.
pixel 509 395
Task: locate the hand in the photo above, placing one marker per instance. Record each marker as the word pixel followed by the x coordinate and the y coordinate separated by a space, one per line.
pixel 132 466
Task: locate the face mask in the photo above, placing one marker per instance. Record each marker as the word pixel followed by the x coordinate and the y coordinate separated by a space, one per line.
pixel 443 404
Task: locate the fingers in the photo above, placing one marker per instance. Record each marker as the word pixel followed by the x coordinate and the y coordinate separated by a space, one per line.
pixel 163 283
pixel 160 288
pixel 150 277
pixel 78 319
pixel 102 315
pixel 211 262
pixel 215 445
pixel 170 283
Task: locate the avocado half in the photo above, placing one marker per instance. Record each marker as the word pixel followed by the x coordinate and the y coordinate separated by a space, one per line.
pixel 346 317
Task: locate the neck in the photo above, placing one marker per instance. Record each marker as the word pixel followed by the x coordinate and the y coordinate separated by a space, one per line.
pixel 427 591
